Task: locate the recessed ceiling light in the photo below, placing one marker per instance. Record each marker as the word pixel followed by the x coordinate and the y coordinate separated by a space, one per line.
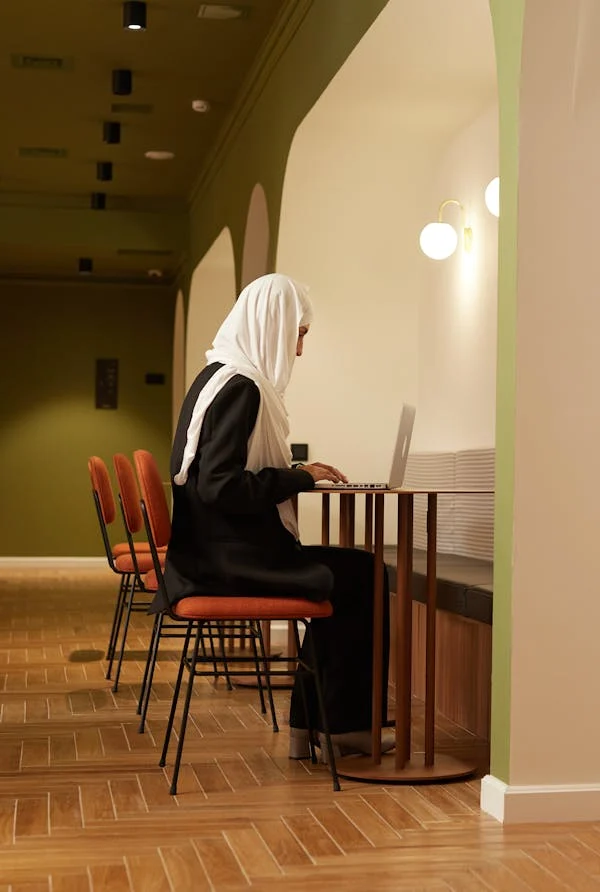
pixel 111 132
pixel 155 273
pixel 122 81
pixel 104 171
pixel 156 155
pixel 134 15
pixel 220 11
pixel 201 105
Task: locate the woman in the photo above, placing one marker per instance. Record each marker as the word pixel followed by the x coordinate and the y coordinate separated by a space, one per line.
pixel 234 530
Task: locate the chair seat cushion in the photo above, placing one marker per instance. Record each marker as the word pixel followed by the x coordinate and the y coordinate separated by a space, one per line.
pixel 140 548
pixel 150 583
pixel 124 563
pixel 208 607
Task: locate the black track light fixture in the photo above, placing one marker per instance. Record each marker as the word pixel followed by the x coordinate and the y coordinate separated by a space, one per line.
pixel 134 15
pixel 86 266
pixel 104 171
pixel 98 201
pixel 111 132
pixel 122 81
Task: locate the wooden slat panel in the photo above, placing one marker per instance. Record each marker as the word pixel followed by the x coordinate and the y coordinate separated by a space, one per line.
pixel 36 752
pixel 311 837
pixel 285 848
pixel 71 882
pixel 108 878
pixel 7 820
pixel 184 869
pixel 32 817
pixel 147 873
pixel 96 802
pixel 253 855
pixel 65 810
pixel 220 864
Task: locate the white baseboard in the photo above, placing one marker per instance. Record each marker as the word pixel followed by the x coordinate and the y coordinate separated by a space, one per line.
pixel 525 804
pixel 53 563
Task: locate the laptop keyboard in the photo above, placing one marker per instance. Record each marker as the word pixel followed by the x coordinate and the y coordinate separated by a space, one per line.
pixel 326 485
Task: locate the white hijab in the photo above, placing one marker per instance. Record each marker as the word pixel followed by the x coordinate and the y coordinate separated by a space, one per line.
pixel 258 340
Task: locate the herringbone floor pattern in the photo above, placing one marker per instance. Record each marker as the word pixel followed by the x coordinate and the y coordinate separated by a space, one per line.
pixel 84 807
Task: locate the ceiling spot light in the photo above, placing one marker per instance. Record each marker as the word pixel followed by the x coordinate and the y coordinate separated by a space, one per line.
pixel 111 132
pixel 159 155
pixel 155 273
pixel 86 266
pixel 220 11
pixel 134 15
pixel 122 81
pixel 201 105
pixel 492 196
pixel 104 171
pixel 98 201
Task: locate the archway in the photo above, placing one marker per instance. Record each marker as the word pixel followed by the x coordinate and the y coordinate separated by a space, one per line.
pixel 409 120
pixel 256 239
pixel 212 294
pixel 178 371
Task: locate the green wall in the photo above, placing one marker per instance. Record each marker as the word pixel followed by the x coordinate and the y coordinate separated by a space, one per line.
pixel 508 29
pixel 51 337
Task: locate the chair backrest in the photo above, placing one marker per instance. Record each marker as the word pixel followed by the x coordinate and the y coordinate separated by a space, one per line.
pixel 129 492
pixel 101 485
pixel 153 495
pixel 104 501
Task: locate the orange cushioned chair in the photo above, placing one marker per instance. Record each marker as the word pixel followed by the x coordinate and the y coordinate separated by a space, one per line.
pixel 129 500
pixel 199 610
pixel 119 556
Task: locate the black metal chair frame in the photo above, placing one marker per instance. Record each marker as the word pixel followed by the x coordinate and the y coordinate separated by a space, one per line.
pixel 126 604
pixel 192 662
pixel 129 584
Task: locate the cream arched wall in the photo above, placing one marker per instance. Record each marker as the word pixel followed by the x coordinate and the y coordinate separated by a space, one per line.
pixel 178 371
pixel 458 308
pixel 256 237
pixel 356 193
pixel 212 294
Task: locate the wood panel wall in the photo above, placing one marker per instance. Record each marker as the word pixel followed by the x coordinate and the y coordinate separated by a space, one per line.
pixel 463 667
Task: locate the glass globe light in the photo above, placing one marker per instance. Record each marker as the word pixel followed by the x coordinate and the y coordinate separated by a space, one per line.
pixel 492 196
pixel 438 240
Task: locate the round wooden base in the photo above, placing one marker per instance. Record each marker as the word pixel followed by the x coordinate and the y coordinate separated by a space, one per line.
pixel 280 682
pixel 362 768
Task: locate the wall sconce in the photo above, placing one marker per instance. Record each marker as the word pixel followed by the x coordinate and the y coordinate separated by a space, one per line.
pixel 440 240
pixel 492 196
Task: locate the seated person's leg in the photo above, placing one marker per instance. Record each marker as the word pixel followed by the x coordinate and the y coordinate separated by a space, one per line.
pixel 344 645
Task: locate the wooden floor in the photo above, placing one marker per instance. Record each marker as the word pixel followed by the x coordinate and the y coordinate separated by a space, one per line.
pixel 84 806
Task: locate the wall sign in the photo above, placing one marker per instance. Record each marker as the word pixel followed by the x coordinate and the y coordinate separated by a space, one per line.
pixel 107 383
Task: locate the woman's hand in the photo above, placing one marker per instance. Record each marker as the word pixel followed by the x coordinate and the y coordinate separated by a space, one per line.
pixel 319 471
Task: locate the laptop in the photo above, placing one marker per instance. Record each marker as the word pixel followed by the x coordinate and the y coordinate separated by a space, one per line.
pixel 405 429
